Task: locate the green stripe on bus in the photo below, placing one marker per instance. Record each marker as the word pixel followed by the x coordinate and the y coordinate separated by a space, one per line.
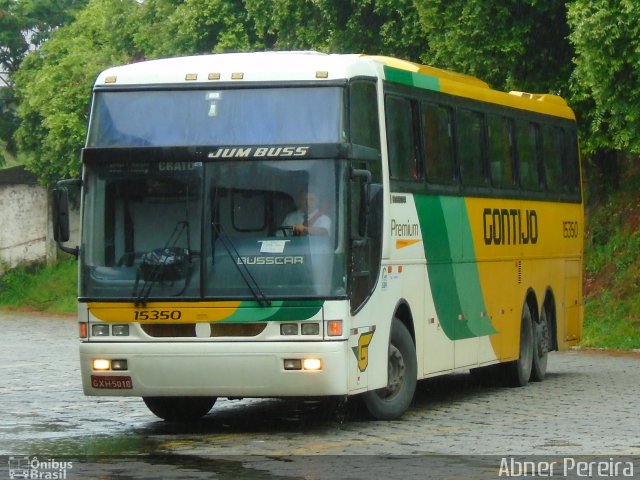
pixel 411 78
pixel 278 311
pixel 453 273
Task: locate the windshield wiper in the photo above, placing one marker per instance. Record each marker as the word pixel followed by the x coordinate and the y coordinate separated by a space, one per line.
pixel 242 268
pixel 166 263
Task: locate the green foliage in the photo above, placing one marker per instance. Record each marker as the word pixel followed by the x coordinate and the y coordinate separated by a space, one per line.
pixel 49 289
pixel 512 44
pixel 24 25
pixel 54 85
pixel 606 36
pixel 611 323
pixel 612 269
pixel 388 27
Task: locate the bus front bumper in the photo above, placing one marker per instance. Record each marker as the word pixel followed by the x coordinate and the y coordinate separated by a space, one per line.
pixel 229 369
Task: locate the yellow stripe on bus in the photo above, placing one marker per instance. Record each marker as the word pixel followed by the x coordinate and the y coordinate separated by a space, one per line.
pixel 163 312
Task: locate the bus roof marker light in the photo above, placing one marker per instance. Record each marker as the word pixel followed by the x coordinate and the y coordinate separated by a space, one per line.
pixel 237 76
pixel 322 74
pixel 213 76
pixel 111 79
pixel 191 77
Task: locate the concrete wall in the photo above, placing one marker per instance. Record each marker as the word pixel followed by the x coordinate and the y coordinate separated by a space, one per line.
pixel 26 234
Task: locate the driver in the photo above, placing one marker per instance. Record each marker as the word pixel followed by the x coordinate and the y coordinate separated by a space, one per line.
pixel 307 219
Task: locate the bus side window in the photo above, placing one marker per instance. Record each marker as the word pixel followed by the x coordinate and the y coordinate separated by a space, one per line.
pixel 438 144
pixel 527 148
pixel 469 146
pixel 363 114
pixel 553 153
pixel 404 161
pixel 572 167
pixel 500 150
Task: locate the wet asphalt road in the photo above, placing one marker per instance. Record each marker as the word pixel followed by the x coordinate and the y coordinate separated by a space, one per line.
pixel 587 406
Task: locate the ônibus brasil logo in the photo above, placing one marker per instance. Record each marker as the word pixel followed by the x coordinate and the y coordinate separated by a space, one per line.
pixel 32 467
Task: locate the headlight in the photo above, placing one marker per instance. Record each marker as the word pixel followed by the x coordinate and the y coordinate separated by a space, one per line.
pixel 100 330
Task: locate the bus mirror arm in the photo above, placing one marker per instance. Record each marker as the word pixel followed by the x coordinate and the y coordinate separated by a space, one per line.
pixel 61 229
pixel 364 212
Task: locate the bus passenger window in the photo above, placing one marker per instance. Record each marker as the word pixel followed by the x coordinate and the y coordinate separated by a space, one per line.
pixel 526 142
pixel 469 147
pixel 500 144
pixel 553 153
pixel 438 144
pixel 572 167
pixel 403 158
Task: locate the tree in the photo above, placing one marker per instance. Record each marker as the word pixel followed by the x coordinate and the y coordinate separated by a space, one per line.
pixel 511 44
pixel 54 83
pixel 606 36
pixel 24 25
pixel 606 84
pixel 186 27
pixel 387 27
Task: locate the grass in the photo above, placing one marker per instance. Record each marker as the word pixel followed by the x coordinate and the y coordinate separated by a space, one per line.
pixel 612 270
pixel 51 289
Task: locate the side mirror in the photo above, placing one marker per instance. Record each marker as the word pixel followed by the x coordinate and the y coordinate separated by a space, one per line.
pixel 61 228
pixel 374 210
pixel 363 179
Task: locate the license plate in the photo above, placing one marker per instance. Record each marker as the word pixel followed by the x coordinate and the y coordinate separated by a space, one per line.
pixel 112 383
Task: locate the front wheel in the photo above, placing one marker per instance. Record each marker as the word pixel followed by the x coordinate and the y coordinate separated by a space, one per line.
pixel 179 409
pixel 390 402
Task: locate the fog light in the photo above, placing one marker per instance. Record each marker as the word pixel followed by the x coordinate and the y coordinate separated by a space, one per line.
pixel 334 328
pixel 101 364
pixel 120 330
pixel 292 364
pixel 310 328
pixel 119 364
pixel 312 364
pixel 100 330
pixel 289 329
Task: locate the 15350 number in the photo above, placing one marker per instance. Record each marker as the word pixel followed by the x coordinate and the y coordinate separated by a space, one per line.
pixel 141 315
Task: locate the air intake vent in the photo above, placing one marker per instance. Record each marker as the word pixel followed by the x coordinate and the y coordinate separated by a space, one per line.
pixel 188 330
pixel 519 271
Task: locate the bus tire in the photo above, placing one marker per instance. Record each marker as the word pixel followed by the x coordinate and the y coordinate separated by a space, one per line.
pixel 519 371
pixel 179 409
pixel 541 342
pixel 390 402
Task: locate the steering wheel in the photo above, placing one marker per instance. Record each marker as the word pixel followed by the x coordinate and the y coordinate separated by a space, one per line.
pixel 287 230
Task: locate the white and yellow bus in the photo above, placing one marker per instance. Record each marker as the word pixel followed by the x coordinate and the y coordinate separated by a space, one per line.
pixel 451 234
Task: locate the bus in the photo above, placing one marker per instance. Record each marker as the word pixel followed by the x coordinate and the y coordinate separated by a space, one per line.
pixel 452 230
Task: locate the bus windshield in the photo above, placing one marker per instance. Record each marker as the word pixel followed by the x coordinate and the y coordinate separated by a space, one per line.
pixel 170 226
pixel 249 116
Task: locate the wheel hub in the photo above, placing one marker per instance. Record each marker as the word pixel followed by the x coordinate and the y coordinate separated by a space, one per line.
pixel 396 371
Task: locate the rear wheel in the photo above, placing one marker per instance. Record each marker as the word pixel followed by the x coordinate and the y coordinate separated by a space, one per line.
pixel 390 402
pixel 541 343
pixel 519 371
pixel 179 409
